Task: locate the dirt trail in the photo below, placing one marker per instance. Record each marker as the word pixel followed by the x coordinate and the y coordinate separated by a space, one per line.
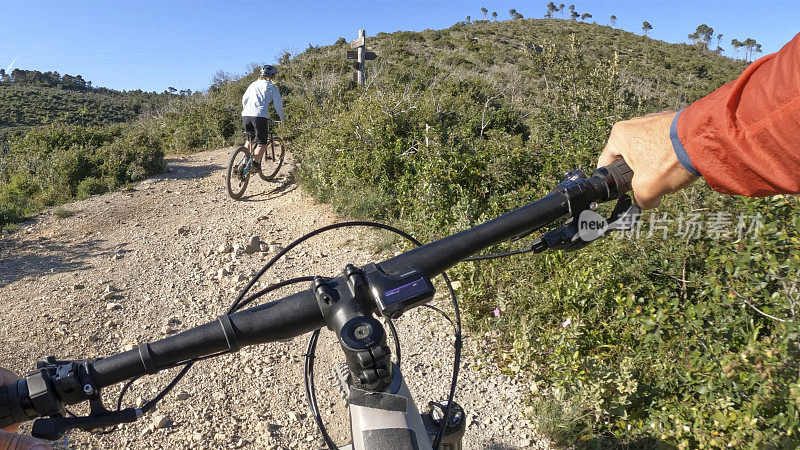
pixel 138 265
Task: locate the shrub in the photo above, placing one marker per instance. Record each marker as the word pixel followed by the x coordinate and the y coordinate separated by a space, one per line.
pixel 52 165
pixel 63 213
pixel 90 186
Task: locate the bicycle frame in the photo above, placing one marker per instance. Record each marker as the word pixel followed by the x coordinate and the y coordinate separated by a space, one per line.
pixel 387 420
pixel 251 145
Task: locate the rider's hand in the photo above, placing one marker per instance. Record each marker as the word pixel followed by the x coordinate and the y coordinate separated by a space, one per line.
pixel 645 145
pixel 9 440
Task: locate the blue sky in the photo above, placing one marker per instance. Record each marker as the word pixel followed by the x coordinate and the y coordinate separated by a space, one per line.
pixel 152 45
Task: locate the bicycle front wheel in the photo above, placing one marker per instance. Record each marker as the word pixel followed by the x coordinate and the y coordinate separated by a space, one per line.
pixel 273 158
pixel 238 174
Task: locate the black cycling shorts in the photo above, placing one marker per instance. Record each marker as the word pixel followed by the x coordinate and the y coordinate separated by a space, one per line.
pixel 257 125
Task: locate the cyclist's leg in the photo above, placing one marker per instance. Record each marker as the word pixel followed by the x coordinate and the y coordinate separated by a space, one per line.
pixel 249 130
pixel 262 136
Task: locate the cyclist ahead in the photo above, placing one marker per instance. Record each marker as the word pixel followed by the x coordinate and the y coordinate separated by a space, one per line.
pixel 255 110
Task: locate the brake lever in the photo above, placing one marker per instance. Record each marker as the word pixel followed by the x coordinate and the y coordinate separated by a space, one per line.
pixel 624 216
pixel 588 226
pixel 57 381
pixel 53 428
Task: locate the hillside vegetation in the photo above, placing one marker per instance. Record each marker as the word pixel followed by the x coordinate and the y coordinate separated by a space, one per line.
pixel 26 105
pixel 61 138
pixel 638 341
pixel 32 98
pixel 664 337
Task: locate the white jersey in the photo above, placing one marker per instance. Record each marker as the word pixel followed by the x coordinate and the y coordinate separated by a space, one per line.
pixel 256 99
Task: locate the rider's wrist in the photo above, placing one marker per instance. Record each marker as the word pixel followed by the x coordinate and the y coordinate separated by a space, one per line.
pixel 680 150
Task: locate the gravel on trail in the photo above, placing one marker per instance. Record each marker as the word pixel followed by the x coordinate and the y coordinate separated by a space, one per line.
pixel 98 276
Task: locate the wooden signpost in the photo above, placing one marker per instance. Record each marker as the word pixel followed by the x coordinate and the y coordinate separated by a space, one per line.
pixel 368 55
pixel 360 54
pixel 360 41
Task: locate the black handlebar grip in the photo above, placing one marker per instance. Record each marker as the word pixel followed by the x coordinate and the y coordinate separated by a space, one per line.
pixel 11 411
pixel 622 175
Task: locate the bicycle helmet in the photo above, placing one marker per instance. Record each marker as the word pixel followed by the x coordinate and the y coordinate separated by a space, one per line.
pixel 268 71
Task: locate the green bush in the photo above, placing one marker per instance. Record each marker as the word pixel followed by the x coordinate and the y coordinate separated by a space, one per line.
pixel 90 186
pixel 52 165
pixel 202 122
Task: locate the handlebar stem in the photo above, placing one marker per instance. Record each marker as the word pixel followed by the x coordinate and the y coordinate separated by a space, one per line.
pixel 347 307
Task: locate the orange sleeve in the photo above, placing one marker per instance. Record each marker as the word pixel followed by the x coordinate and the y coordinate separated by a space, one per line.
pixel 744 138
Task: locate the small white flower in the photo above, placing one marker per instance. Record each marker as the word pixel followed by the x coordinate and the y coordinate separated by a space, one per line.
pixel 566 322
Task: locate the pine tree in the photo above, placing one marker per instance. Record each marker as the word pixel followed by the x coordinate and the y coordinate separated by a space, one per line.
pixel 736 44
pixel 750 48
pixel 646 27
pixel 551 8
pixel 573 15
pixel 702 36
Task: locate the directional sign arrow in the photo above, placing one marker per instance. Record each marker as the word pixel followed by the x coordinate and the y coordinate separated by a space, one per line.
pixel 357 43
pixel 368 56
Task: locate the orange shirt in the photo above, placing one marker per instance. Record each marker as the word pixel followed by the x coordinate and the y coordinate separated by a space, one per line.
pixel 744 138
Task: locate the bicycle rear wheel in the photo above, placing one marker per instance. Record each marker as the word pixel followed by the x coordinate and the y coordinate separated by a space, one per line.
pixel 236 178
pixel 273 158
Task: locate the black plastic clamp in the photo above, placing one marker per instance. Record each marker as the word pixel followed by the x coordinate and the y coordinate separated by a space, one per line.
pixel 146 355
pixel 230 333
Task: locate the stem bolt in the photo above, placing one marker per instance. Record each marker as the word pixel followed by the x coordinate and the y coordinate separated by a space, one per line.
pixel 362 331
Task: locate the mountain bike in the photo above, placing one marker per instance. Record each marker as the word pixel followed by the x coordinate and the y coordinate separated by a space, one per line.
pixel 240 166
pixel 382 410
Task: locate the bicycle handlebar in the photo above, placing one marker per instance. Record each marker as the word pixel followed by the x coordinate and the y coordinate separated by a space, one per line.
pixel 38 395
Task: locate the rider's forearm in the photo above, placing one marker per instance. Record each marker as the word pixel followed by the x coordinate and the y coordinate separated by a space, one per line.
pixel 277 102
pixel 744 138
